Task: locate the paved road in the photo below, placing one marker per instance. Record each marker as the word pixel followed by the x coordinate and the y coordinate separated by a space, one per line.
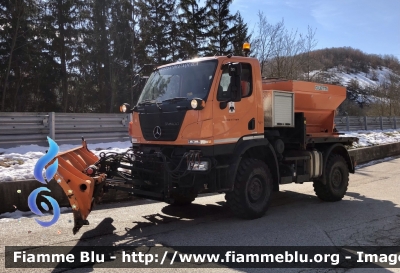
pixel 368 215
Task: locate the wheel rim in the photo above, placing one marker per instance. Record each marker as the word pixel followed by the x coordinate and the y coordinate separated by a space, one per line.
pixel 337 178
pixel 255 189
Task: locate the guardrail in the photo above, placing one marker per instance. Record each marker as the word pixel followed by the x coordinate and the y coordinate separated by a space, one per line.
pixel 355 123
pixel 18 128
pixel 33 128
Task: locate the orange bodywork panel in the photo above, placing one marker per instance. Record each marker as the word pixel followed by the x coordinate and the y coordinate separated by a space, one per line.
pixel 78 187
pixel 317 101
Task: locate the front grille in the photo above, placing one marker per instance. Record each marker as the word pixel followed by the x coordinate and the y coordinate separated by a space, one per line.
pixel 169 123
pixel 167 133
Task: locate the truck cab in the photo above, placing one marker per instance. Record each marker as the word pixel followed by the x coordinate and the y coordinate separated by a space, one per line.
pixel 197 102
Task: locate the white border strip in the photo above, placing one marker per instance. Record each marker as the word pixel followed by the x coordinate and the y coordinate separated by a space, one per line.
pixel 225 140
pixel 253 137
pixel 235 139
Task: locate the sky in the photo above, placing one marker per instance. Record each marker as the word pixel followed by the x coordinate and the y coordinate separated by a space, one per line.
pixel 371 26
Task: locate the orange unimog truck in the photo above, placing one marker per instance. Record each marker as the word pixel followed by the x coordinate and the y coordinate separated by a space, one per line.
pixel 213 124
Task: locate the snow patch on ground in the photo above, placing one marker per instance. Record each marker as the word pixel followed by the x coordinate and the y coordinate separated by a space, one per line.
pixel 18 215
pixel 374 137
pixel 26 156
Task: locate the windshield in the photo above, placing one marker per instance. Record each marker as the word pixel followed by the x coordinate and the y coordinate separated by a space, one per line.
pixel 180 81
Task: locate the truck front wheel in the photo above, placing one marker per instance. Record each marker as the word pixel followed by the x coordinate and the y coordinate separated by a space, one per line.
pixel 182 199
pixel 253 186
pixel 335 180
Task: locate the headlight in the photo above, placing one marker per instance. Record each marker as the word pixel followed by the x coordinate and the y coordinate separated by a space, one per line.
pixel 194 104
pixel 197 104
pixel 198 166
pixel 124 107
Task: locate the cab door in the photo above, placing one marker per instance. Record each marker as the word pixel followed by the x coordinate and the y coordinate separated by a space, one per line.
pixel 233 120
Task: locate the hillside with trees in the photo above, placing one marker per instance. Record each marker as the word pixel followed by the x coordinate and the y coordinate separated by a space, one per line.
pixel 372 81
pixel 82 56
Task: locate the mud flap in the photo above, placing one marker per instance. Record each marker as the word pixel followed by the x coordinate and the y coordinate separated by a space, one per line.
pixel 81 189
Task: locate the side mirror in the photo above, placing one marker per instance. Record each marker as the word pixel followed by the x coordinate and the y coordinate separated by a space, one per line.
pixel 136 80
pixel 235 71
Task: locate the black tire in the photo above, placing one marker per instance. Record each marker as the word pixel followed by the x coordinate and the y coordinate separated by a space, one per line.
pixel 335 180
pixel 180 199
pixel 252 190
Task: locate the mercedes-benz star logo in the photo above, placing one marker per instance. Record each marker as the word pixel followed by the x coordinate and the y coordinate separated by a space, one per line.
pixel 157 132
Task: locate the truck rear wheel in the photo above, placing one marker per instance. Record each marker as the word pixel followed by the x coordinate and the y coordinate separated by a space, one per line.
pixel 253 186
pixel 335 180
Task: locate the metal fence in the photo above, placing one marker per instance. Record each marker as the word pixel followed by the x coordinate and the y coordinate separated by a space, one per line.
pixel 33 128
pixel 354 123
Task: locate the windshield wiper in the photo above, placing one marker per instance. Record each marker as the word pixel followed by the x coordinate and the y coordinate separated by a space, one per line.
pixel 149 102
pixel 175 99
pixel 146 102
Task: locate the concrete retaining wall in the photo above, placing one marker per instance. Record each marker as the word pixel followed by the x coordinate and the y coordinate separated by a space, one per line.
pixel 14 195
pixel 367 154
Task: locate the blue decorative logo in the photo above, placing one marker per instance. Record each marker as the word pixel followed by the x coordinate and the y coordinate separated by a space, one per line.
pixel 32 205
pixel 44 160
pixel 50 172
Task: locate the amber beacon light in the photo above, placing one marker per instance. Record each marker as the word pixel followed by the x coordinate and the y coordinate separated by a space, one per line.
pixel 246 49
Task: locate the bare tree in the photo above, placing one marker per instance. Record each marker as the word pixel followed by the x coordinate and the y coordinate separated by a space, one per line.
pixel 309 45
pixel 379 104
pixel 282 53
pixel 286 61
pixel 386 96
pixel 393 91
pixel 264 41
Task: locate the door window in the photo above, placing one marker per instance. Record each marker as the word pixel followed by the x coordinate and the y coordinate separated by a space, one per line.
pixel 224 84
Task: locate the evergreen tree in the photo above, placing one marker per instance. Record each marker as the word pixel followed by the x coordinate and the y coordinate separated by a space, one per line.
pixel 175 41
pixel 28 71
pixel 192 25
pixel 121 62
pixel 62 20
pixel 220 32
pixel 138 33
pixel 156 28
pixel 99 46
pixel 240 36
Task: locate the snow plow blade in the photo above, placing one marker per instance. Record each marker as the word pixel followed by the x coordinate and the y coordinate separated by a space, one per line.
pixel 82 190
